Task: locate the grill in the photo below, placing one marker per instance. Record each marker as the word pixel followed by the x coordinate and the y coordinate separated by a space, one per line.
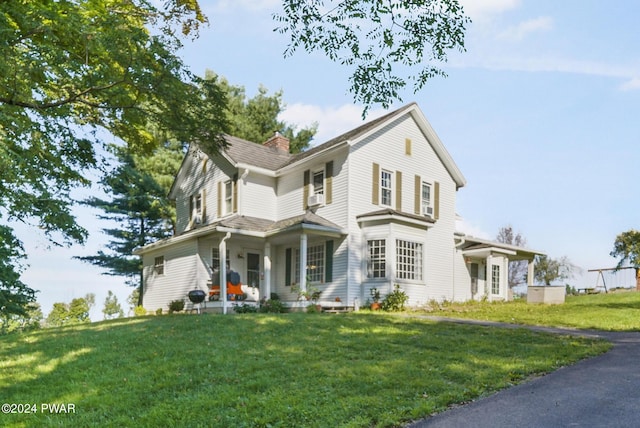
pixel 197 297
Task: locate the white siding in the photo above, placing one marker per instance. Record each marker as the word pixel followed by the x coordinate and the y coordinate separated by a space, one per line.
pixel 290 189
pixel 445 275
pixel 196 176
pixel 337 210
pixel 387 148
pixel 180 271
pixel 257 194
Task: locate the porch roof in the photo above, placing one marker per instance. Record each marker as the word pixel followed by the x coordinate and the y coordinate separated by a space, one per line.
pixel 310 221
pixel 255 227
pixel 478 247
pixel 389 214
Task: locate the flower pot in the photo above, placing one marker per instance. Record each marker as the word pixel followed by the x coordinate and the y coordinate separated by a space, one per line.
pixel 375 306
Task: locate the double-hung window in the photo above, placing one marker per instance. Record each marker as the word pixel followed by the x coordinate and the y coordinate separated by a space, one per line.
pixel 195 205
pixel 408 260
pixel 215 259
pixel 318 182
pixel 315 264
pixel 427 206
pixel 228 197
pixel 377 258
pixel 495 279
pixel 385 188
pixel 158 265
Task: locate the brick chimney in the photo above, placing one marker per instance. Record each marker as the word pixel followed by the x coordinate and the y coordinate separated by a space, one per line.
pixel 278 141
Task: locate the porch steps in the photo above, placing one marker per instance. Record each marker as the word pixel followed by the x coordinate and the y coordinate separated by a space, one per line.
pixel 336 309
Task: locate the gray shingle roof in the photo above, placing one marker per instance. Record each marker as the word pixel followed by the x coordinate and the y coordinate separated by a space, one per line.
pixel 246 223
pixel 307 218
pixel 243 151
pixel 257 224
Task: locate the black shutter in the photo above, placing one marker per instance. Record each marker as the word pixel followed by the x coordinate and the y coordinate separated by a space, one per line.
pixel 328 261
pixel 287 267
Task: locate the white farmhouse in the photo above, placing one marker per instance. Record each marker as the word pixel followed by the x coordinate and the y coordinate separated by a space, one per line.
pixel 371 208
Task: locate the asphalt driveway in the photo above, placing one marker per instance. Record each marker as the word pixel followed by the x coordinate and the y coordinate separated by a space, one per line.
pixel 603 391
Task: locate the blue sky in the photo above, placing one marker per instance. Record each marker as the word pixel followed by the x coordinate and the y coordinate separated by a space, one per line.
pixel 540 114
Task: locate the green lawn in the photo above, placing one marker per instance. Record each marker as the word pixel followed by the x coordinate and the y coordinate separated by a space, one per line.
pixel 618 311
pixel 259 370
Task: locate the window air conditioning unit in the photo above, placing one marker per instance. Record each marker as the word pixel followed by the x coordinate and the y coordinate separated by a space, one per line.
pixel 315 200
pixel 197 219
pixel 428 211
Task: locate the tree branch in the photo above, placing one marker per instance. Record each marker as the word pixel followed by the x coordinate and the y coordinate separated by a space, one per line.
pixel 52 104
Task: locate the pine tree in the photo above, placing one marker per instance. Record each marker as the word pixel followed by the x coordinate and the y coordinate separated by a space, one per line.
pixel 139 205
pixel 256 119
pixel 15 295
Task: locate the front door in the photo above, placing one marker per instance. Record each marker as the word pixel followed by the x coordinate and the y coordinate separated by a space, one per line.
pixel 253 272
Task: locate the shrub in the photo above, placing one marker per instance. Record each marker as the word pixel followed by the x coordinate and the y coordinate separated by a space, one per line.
pixel 245 309
pixel 176 306
pixel 394 301
pixel 272 306
pixel 314 309
pixel 139 311
pixel 571 291
pixel 159 311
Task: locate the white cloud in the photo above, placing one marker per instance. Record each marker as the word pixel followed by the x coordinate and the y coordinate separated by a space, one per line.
pixel 554 64
pixel 247 5
pixel 332 121
pixel 631 85
pixel 470 229
pixel 482 10
pixel 523 29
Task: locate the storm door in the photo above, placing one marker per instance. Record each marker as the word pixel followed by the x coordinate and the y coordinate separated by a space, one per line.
pixel 253 270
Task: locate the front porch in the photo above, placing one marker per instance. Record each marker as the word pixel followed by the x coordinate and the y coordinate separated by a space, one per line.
pixel 488 266
pixel 244 261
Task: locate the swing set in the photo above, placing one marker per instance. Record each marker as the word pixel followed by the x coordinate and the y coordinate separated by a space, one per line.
pixel 613 271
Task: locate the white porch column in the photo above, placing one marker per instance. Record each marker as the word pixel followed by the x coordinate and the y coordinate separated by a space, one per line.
pixel 303 262
pixel 267 270
pixel 488 284
pixel 222 248
pixel 504 278
pixel 530 271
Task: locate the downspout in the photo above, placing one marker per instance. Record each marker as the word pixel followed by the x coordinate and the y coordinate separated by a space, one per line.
pixel 351 275
pixel 243 177
pixel 222 248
